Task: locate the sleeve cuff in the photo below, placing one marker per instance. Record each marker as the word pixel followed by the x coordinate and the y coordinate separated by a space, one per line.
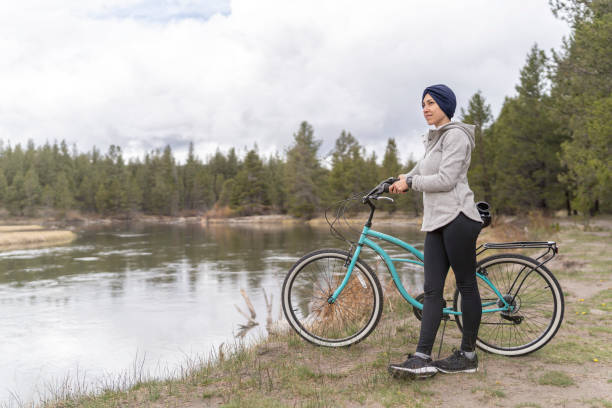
pixel 416 183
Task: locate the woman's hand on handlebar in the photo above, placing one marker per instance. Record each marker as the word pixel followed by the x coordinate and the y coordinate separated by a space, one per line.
pixel 399 186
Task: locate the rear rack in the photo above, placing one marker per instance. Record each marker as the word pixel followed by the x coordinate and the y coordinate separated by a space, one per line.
pixel 521 244
pixel 550 246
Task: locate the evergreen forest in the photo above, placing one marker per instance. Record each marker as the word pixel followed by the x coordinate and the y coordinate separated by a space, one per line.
pixel 549 149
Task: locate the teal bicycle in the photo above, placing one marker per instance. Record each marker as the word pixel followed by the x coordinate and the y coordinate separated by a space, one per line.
pixel 333 298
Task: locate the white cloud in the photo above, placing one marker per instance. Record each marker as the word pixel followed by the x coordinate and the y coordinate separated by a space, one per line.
pixel 141 74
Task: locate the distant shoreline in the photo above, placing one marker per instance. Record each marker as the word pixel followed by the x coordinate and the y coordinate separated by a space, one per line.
pixel 77 220
pixel 281 219
pixel 26 233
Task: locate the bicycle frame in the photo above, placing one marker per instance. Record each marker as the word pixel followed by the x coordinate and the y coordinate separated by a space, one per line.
pixel 364 240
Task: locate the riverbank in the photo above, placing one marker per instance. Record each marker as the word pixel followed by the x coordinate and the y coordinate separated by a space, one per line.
pixel 573 370
pixel 32 236
pixel 74 220
pixel 281 220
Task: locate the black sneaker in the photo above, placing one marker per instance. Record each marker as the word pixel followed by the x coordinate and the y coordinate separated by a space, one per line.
pixel 457 363
pixel 413 367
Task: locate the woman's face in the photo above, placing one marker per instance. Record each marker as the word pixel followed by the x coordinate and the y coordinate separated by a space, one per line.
pixel 432 112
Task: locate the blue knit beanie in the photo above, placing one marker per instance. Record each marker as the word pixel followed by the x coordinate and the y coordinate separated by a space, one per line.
pixel 444 97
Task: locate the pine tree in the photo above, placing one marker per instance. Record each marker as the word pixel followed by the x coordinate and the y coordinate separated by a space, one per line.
pixel 232 164
pixel 348 168
pixel 31 192
pixel 217 165
pixel 192 190
pixel 14 163
pixel 479 115
pixel 65 164
pixel 527 143
pixel 45 165
pixel 582 85
pixel 587 157
pixel 136 179
pixel 227 192
pixel 47 198
pixel 63 197
pixel 101 199
pixel 162 181
pixel 3 188
pixel 111 196
pixel 16 195
pixel 411 201
pixel 303 173
pixel 391 166
pixel 275 183
pixel 249 192
pixel 370 174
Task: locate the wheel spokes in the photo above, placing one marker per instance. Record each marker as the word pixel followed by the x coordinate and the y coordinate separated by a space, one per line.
pixel 533 305
pixel 342 319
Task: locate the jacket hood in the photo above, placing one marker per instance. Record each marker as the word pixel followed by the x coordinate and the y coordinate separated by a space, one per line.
pixel 434 134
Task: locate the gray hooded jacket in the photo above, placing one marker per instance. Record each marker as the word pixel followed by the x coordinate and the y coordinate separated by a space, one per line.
pixel 442 175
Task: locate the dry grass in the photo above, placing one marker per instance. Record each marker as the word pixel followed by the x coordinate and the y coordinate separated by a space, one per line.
pixel 350 310
pixel 17 237
pixel 503 230
pixel 219 212
pixel 14 228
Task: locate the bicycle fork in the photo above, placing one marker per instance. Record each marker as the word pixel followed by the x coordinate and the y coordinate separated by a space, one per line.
pixel 349 270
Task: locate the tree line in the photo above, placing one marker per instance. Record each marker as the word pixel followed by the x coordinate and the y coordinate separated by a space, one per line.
pixel 549 149
pixel 55 177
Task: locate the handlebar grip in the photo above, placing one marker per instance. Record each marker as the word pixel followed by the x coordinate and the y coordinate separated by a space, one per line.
pixel 387 183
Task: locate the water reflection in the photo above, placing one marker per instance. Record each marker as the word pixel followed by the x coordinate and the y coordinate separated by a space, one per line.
pixel 160 291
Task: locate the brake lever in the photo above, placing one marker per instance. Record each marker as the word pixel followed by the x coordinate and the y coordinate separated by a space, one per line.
pixel 384 198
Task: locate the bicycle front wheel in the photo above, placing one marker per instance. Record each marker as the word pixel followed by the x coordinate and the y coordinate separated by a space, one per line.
pixel 536 300
pixel 310 283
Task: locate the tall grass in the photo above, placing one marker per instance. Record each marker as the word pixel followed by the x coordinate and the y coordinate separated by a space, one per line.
pixel 11 238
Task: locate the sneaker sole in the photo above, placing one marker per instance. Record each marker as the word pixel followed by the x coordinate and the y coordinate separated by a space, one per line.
pixel 469 370
pixel 424 372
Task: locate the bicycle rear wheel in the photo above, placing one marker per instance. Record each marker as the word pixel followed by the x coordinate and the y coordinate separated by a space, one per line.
pixel 310 283
pixel 535 296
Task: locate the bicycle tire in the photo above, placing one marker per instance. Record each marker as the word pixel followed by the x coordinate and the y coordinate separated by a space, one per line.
pixel 540 321
pixel 354 314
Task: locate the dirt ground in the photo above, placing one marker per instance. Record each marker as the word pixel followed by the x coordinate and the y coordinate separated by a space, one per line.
pixel 573 370
pixel 586 279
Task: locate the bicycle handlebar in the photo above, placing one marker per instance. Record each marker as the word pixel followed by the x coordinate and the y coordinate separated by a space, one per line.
pixel 387 183
pixel 381 188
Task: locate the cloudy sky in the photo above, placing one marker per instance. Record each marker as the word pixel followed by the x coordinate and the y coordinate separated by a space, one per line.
pixel 145 73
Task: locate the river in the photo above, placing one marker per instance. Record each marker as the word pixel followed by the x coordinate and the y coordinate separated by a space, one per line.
pixel 140 299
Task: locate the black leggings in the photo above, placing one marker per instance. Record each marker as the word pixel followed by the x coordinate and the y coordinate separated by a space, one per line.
pixel 451 245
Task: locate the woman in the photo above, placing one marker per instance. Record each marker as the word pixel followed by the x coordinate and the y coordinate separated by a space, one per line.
pixel 452 223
